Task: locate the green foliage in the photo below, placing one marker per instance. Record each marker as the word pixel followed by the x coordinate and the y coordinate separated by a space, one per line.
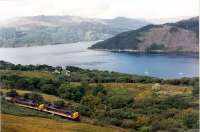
pixel 120 101
pixel 98 89
pixel 49 89
pixel 144 129
pixel 195 90
pixel 84 110
pixel 169 124
pixel 77 75
pixel 123 113
pixel 90 101
pixel 34 96
pixel 115 121
pixel 116 106
pixel 70 92
pixel 190 118
pixel 59 103
pixel 175 102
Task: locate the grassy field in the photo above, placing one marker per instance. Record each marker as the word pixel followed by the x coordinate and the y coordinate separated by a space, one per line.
pixel 140 91
pixel 32 74
pixel 11 123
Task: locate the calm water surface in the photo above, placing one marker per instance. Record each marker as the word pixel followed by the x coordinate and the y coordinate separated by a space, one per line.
pixel 77 54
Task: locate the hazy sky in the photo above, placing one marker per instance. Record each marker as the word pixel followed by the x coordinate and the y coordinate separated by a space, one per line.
pixel 147 9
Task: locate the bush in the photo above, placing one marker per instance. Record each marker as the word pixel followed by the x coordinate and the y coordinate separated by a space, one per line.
pixel 175 102
pixel 115 121
pixel 170 124
pixel 59 103
pixel 34 96
pixel 90 101
pixel 195 90
pixel 84 110
pixel 49 89
pixel 121 113
pixel 99 89
pixel 170 113
pixel 70 92
pixel 144 129
pixel 12 93
pixel 120 101
pixel 128 124
pixel 190 118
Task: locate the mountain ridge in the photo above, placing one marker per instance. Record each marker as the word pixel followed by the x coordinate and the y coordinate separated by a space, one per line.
pixel 43 30
pixel 181 36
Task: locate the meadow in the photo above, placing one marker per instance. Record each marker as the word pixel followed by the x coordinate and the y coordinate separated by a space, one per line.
pixel 12 123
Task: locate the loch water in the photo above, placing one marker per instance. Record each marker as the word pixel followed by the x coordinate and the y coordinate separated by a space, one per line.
pixel 78 54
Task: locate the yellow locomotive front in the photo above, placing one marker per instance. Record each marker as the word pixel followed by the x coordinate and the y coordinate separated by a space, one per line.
pixel 76 116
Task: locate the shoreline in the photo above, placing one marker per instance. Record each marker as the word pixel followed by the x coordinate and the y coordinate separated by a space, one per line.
pixel 145 52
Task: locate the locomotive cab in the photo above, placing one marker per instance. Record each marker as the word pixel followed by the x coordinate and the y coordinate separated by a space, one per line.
pixel 75 116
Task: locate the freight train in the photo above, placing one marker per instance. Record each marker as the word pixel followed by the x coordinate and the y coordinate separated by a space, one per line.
pixel 48 108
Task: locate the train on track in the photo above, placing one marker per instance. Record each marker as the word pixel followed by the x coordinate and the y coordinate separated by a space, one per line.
pixel 48 108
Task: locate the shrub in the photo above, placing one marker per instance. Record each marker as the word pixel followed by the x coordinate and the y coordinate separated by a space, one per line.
pixel 170 113
pixel 190 118
pixel 155 126
pixel 144 129
pixel 120 101
pixel 70 92
pixel 59 103
pixel 100 115
pixel 170 124
pixel 195 90
pixel 34 96
pixel 115 121
pixel 91 101
pixel 121 113
pixel 84 110
pixel 128 124
pixel 175 102
pixel 49 89
pixel 99 89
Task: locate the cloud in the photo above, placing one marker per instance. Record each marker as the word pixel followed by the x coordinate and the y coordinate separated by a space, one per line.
pixel 100 8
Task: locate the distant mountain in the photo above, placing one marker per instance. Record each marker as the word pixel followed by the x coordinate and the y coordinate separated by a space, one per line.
pixel 125 23
pixel 171 37
pixel 43 30
pixel 166 20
